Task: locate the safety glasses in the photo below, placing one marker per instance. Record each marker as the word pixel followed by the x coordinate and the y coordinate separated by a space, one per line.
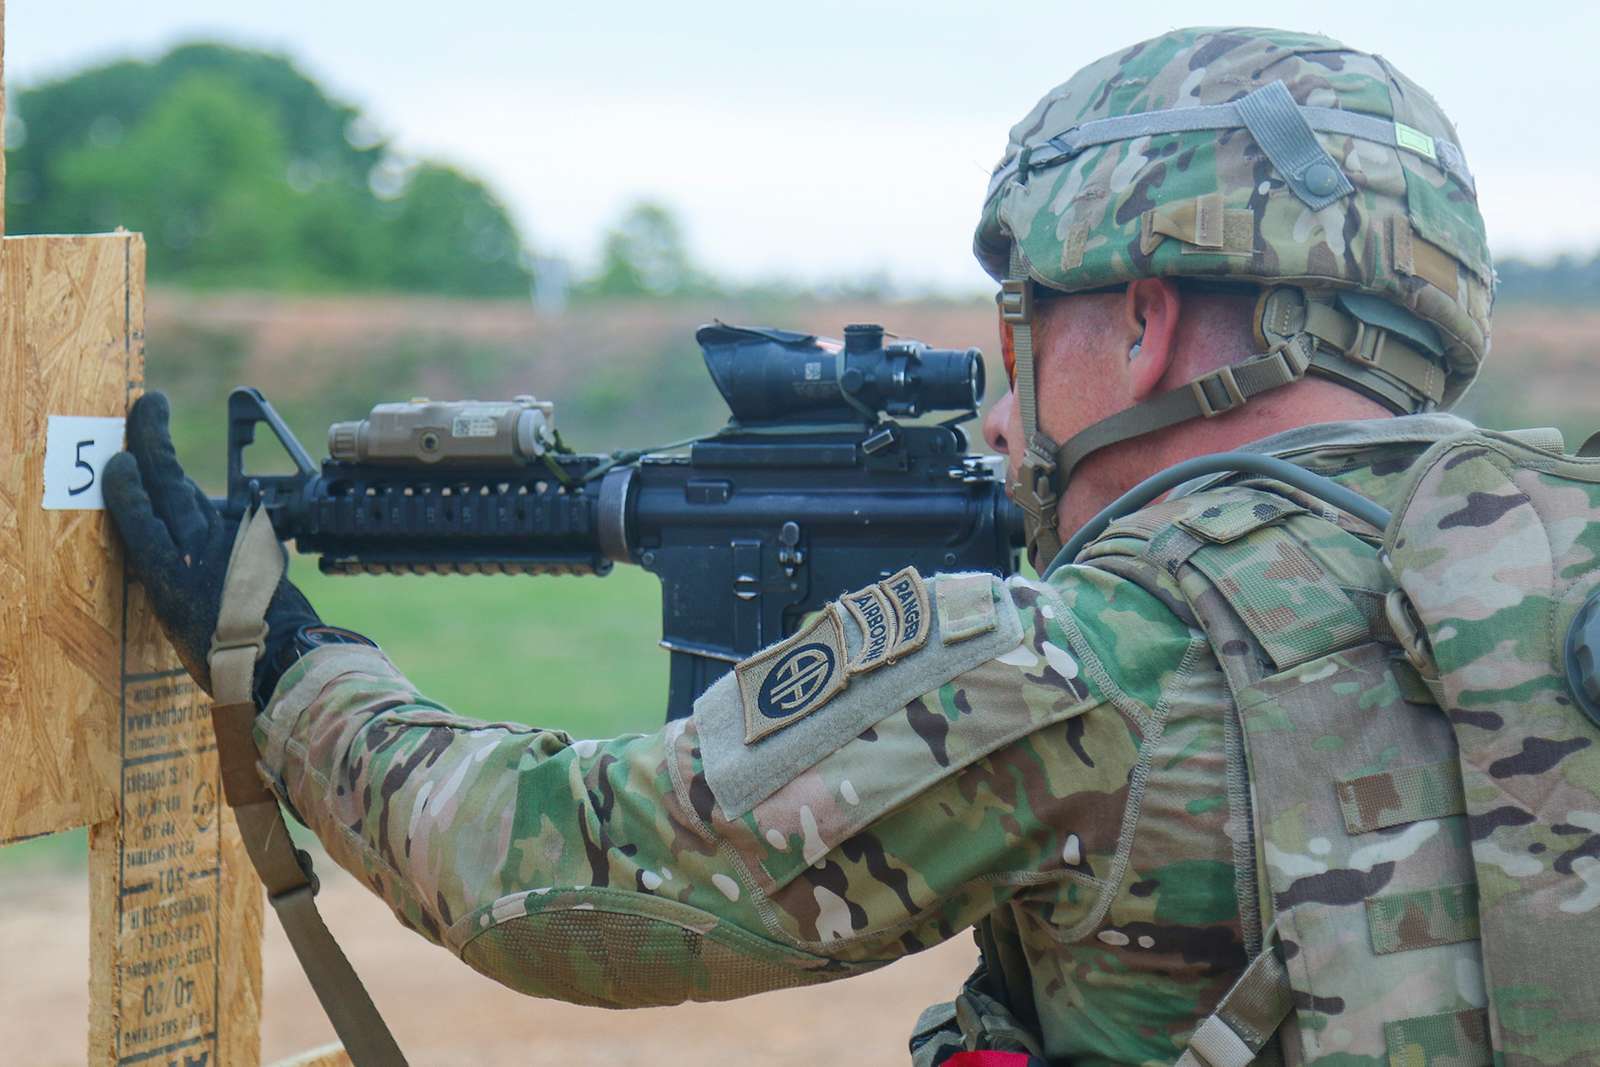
pixel 1008 345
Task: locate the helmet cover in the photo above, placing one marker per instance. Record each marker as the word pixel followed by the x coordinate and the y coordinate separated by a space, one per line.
pixel 1210 203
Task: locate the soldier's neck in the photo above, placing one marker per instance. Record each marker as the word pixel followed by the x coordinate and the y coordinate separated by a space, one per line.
pixel 1105 475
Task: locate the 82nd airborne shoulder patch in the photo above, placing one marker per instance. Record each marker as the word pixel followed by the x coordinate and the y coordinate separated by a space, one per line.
pixel 793 678
pixel 797 676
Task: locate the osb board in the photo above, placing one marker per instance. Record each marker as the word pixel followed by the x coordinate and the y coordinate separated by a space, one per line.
pixel 174 906
pixel 98 723
pixel 175 909
pixel 71 316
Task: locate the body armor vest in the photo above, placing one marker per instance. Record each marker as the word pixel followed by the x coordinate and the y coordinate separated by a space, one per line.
pixel 1408 899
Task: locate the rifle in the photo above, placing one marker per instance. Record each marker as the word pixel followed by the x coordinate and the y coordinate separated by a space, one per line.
pixel 807 492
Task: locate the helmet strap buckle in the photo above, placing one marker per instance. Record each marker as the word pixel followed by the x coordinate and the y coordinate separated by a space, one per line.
pixel 1036 492
pixel 1231 396
pixel 1368 344
pixel 1016 301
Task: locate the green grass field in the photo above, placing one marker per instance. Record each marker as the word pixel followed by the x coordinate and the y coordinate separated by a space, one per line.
pixel 575 653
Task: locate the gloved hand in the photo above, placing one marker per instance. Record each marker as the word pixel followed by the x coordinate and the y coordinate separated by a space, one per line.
pixel 178 545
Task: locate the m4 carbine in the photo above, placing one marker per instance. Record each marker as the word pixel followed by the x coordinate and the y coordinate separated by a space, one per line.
pixel 807 493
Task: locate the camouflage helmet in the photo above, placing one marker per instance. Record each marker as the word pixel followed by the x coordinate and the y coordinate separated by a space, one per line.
pixel 1284 160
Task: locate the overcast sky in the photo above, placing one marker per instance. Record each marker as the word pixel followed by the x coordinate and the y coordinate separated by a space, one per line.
pixel 831 137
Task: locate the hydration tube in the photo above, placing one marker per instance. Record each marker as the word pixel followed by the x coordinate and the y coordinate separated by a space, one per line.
pixel 1223 462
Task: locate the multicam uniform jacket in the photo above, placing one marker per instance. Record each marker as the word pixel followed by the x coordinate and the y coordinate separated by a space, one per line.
pixel 1057 762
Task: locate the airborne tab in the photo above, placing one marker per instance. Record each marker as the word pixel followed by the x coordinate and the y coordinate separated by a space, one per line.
pixel 872 612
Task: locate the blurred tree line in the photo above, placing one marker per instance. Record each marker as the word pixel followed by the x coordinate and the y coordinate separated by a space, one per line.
pixel 242 172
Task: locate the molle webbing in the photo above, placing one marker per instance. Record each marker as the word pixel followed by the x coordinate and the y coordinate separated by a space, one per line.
pixel 1403 795
pixel 1449 1039
pixel 1422 918
pixel 1324 617
pixel 1258 568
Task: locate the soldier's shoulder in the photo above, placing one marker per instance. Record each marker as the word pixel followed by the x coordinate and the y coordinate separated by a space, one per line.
pixel 918 676
pixel 1217 514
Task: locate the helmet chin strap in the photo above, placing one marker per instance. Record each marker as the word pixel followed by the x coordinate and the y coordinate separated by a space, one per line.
pixel 1304 333
pixel 1038 491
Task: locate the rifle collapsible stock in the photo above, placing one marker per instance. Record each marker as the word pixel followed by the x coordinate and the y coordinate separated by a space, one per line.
pixel 807 493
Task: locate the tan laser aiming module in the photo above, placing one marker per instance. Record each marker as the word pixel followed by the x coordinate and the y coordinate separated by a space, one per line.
pixel 481 433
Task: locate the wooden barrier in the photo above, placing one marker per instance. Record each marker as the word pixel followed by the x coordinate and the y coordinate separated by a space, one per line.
pixel 99 725
pixel 103 728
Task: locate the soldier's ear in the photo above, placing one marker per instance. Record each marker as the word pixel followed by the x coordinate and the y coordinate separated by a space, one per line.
pixel 1152 308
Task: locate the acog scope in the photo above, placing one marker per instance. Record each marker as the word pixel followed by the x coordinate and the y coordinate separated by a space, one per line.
pixel 768 375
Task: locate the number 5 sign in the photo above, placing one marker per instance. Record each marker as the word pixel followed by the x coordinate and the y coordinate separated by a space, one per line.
pixel 76 450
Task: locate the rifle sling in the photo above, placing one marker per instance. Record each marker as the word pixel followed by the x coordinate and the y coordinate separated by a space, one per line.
pixel 254 569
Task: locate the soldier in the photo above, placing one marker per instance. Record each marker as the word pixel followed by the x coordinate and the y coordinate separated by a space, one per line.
pixel 1215 239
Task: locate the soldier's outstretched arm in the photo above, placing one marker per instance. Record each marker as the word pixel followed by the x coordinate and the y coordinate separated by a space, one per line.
pixel 914 758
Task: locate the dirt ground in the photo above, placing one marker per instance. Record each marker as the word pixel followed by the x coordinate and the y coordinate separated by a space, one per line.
pixel 445 1014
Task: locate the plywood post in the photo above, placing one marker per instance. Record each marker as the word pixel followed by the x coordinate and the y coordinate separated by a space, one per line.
pixel 99 726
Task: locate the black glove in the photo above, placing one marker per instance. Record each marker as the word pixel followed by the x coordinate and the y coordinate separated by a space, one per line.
pixel 178 546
